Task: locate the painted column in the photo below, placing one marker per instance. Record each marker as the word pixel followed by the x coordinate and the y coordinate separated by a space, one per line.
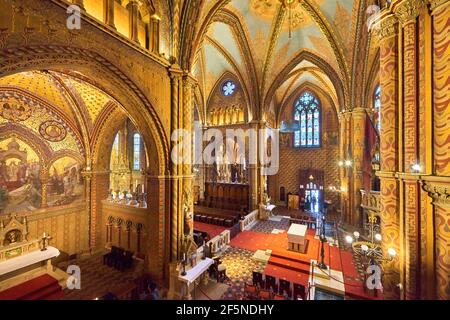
pixel 387 32
pixel 108 6
pixel 358 141
pixel 407 13
pixel 441 60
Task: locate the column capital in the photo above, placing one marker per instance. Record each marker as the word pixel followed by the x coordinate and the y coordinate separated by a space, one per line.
pixel 386 27
pixel 407 11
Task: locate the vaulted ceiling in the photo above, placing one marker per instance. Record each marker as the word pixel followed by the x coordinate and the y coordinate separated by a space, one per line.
pixel 274 46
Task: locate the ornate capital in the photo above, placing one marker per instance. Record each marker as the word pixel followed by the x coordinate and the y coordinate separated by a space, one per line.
pixel 408 10
pixel 386 27
pixel 440 192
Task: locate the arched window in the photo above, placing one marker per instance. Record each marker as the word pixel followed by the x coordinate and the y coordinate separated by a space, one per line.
pixel 307 115
pixel 137 152
pixel 377 108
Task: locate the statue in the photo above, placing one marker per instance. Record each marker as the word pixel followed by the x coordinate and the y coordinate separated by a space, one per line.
pixel 187 213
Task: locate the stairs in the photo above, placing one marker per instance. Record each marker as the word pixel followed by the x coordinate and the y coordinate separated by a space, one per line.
pixel 290 263
pixel 41 288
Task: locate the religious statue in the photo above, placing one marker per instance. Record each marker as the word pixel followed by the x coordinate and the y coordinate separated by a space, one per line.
pixel 187 213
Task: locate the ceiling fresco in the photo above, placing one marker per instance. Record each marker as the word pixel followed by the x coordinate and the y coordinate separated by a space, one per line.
pixel 273 35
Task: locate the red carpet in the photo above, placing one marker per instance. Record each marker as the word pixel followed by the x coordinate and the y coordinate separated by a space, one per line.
pixel 211 229
pixel 41 288
pixel 294 266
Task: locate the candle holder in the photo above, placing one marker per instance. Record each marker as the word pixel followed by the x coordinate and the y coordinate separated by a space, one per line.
pixel 134 201
pixel 183 265
pixel 143 202
pixel 45 239
pixel 111 196
pixel 117 197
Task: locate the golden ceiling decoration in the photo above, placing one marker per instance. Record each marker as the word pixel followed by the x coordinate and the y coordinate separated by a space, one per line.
pixel 15 111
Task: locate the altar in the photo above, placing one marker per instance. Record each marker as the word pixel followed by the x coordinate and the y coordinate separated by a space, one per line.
pixel 22 259
pixel 193 275
pixel 296 238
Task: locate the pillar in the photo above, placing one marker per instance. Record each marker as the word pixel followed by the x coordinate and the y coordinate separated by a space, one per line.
pixel 358 147
pixel 440 11
pixel 407 13
pixel 44 183
pixel 108 6
pixel 154 34
pixel 134 20
pixel 387 32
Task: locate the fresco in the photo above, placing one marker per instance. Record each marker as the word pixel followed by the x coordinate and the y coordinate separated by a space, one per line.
pixel 65 184
pixel 20 184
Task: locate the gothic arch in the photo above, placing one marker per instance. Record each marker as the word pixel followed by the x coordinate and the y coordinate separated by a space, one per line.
pixel 108 77
pixel 305 55
pixel 42 149
pixel 307 86
pixel 226 75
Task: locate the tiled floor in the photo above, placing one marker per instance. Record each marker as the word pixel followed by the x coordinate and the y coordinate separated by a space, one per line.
pixel 98 279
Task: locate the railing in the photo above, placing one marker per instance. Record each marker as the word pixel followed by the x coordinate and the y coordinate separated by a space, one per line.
pixel 249 221
pixel 217 243
pixel 371 201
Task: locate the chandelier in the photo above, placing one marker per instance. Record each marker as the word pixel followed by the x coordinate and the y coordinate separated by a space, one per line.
pixel 370 249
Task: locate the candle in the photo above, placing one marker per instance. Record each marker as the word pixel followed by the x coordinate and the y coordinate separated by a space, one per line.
pixel 136 183
pixel 44 235
pixel 143 188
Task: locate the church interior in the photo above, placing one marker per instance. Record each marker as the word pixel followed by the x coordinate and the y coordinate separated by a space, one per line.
pixel 224 150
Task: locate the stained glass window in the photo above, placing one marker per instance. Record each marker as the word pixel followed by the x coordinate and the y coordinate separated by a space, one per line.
pixel 228 88
pixel 137 152
pixel 377 108
pixel 307 114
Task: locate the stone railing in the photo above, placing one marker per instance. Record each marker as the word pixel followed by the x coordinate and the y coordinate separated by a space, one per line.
pixel 218 243
pixel 371 201
pixel 249 221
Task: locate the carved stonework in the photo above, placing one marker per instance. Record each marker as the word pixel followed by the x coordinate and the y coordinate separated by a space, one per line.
pixel 439 191
pixel 386 28
pixel 409 10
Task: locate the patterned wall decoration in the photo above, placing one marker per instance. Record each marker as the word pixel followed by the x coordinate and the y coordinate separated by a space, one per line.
pixel 14 111
pixel 52 131
pixel 441 61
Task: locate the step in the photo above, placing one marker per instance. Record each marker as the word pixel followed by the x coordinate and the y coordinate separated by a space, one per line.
pixel 289 264
pixel 30 287
pixel 306 260
pixel 41 294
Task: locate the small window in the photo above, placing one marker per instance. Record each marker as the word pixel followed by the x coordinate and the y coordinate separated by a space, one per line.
pixel 228 88
pixel 137 152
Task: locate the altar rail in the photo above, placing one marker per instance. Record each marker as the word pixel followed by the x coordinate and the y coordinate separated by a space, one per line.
pixel 249 221
pixel 218 243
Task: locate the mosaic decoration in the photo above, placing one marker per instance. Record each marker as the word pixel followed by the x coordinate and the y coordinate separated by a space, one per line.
pixel 15 111
pixel 52 131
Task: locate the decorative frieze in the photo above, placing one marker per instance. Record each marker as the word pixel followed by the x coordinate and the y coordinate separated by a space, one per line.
pixel 387 27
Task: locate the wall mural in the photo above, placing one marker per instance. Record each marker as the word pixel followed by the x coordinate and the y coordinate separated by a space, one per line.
pixel 20 183
pixel 65 182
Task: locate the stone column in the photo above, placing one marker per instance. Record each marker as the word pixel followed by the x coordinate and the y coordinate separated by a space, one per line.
pixel 407 13
pixel 154 34
pixel 440 11
pixel 387 32
pixel 108 7
pixel 134 20
pixel 358 147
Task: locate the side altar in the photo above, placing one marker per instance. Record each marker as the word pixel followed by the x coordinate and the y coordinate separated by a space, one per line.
pixel 21 258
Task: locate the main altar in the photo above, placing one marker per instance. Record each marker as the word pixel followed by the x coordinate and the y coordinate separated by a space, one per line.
pixel 21 258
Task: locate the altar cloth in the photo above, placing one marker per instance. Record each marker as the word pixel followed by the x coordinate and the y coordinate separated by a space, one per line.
pixel 28 259
pixel 194 273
